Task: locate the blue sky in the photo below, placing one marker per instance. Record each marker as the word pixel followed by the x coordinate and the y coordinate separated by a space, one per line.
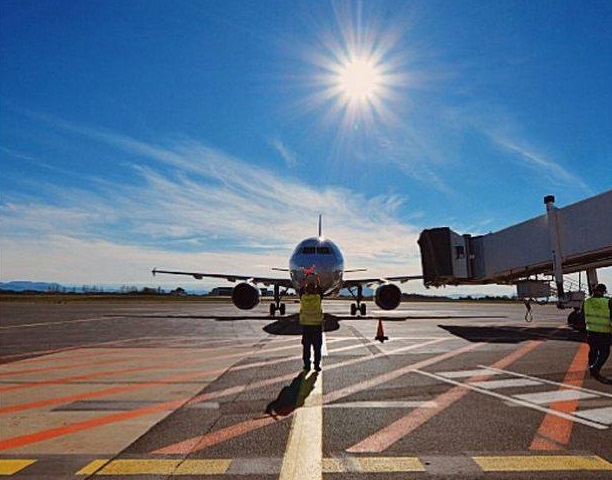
pixel 209 135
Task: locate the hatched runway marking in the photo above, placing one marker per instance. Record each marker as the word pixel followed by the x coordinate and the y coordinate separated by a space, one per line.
pixel 601 415
pixel 599 418
pixel 546 398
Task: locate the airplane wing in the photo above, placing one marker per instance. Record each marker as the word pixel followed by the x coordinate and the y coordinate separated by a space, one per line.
pixel 350 283
pixel 282 282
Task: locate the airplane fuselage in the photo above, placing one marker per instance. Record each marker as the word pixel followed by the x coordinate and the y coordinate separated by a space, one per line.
pixel 320 257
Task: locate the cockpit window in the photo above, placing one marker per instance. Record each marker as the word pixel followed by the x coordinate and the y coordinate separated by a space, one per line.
pixel 319 250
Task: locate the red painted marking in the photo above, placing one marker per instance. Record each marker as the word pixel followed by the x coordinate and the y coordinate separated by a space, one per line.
pixel 555 432
pixel 397 430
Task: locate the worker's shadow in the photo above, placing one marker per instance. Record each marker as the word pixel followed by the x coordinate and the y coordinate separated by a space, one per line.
pixel 292 396
pixel 289 325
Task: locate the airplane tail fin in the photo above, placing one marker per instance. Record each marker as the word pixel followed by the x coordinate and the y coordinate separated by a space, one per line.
pixel 320 226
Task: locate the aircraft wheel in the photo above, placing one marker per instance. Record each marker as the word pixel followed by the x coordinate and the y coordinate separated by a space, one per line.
pixel 353 309
pixel 272 309
pixel 282 309
pixel 362 309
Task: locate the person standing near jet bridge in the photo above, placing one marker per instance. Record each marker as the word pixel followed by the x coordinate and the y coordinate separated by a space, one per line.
pixel 311 320
pixel 598 317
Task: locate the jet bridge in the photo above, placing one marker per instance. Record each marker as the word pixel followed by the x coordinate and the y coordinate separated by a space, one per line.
pixel 562 241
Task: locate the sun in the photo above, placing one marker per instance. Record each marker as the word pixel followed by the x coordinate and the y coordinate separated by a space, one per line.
pixel 359 80
pixel 357 74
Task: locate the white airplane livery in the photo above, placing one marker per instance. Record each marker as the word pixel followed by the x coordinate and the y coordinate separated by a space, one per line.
pixel 314 259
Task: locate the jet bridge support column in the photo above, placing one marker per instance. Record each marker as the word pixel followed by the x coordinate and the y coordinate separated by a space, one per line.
pixel 555 244
pixel 592 279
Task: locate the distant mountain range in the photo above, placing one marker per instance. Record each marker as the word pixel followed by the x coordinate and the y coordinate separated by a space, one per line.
pixel 23 286
pixel 26 286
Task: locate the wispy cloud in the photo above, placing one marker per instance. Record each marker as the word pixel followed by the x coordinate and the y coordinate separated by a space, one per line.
pixel 548 168
pixel 192 206
pixel 290 157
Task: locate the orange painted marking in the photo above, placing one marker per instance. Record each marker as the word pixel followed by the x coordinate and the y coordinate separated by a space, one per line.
pixel 130 357
pixel 161 381
pixel 91 376
pixel 555 432
pixel 105 392
pixel 397 430
pixel 122 416
pixel 158 366
pixel 66 367
pixel 40 354
pixel 199 443
pixel 86 425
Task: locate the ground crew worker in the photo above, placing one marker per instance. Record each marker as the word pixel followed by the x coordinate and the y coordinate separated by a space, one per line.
pixel 597 315
pixel 311 320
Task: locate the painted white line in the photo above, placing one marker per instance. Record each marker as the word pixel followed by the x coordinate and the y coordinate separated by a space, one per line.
pixel 468 373
pixel 546 398
pixel 324 352
pixel 514 400
pixel 551 382
pixel 304 454
pixel 508 383
pixel 601 415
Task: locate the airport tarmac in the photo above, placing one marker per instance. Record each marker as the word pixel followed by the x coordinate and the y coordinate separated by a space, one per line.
pixel 203 390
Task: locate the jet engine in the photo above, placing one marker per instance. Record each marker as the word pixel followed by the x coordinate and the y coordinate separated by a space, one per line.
pixel 388 296
pixel 245 296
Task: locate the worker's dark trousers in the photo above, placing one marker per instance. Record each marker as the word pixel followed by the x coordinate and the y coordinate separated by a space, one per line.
pixel 599 351
pixel 312 336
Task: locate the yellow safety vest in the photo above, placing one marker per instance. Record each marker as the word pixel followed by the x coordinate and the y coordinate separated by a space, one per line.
pixel 597 314
pixel 311 312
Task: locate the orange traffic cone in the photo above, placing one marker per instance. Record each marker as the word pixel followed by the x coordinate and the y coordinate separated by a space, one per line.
pixel 380 334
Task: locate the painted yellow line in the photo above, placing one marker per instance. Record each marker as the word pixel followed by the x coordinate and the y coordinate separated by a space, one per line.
pixel 303 457
pixel 10 467
pixel 156 467
pixel 92 467
pixel 373 465
pixel 542 463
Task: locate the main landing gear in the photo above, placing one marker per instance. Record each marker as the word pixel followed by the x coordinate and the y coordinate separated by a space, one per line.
pixel 277 306
pixel 358 307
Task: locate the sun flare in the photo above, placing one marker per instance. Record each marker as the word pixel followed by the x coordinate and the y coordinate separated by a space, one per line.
pixel 359 80
pixel 359 73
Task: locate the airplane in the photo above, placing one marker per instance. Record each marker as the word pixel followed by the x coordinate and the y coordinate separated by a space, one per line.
pixel 316 257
